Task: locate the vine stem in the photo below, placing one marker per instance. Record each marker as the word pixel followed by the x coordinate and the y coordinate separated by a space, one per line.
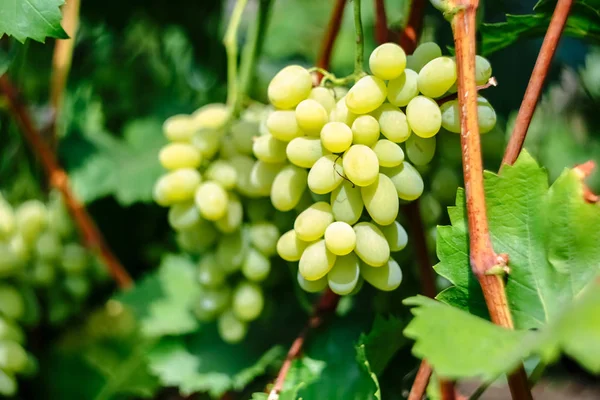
pixel 414 25
pixel 382 32
pixel 482 255
pixel 360 41
pixel 333 28
pixel 231 48
pixel 417 391
pixel 536 82
pixel 58 179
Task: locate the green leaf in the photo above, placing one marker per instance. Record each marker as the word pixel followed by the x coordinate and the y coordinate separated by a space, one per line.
pixel 361 358
pixel 382 342
pixel 35 19
pixel 303 371
pixel 549 234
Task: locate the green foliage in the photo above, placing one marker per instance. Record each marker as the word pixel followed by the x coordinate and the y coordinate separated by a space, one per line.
pixel 31 19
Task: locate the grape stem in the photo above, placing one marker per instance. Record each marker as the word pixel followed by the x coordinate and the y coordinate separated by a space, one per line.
pixel 360 42
pixel 409 36
pixel 421 381
pixel 333 28
pixel 536 82
pixel 382 33
pixel 58 179
pixel 231 48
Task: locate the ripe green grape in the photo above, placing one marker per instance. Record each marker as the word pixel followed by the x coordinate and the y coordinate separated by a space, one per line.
pixel 77 286
pixel 326 174
pixel 183 216
pixel 207 142
pixel 12 303
pixel 451 116
pixel 444 184
pixel 483 70
pixel 311 116
pixel 289 247
pixel 211 200
pixel 262 176
pixel 179 155
pixel 32 218
pixel 424 53
pixel 288 187
pixel 407 180
pixel 198 237
pixel 231 329
pixel 361 165
pixel 381 200
pixel 420 151
pixel 366 95
pixel 312 286
pixel 393 123
pixel 11 331
pixel 336 137
pixel 7 219
pixel 289 87
pixel 48 246
pixel 311 223
pixel 248 301
pixel 365 130
pixel 231 250
pixel 176 186
pixel 304 151
pixel 74 259
pixel 437 76
pixel 222 172
pixel 243 134
pixel 211 116
pixel 387 61
pixel 210 273
pixel 268 149
pixel 345 274
pixel 387 277
pixel 234 214
pixel 341 113
pixel 346 203
pixel 13 357
pixel 403 89
pixel 371 245
pixel 486 116
pixel 283 126
pixel 388 153
pixel 212 302
pixel 316 261
pixel 324 97
pixel 424 116
pixel 179 128
pixel 264 236
pixel 431 209
pixel 340 238
pixel 256 266
pixel 243 167
pixel 396 236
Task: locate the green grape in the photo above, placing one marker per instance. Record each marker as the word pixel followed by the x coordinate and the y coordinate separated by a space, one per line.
pixel 13 357
pixel 207 142
pixel 304 151
pixel 8 261
pixel 268 149
pixel 388 153
pixel 361 165
pixel 289 247
pixel 259 210
pixel 420 151
pixel 176 186
pixel 341 113
pixel 211 200
pixel 387 277
pixel 231 251
pixel 486 115
pixel 431 210
pixel 324 97
pixel 7 219
pixel 262 176
pixel 407 180
pixel 243 166
pixel 483 70
pixel 199 237
pixel 232 219
pixel 212 302
pixel 183 216
pixel 424 116
pixel 312 286
pixel 231 329
pixel 228 148
pixel 211 116
pixel 387 61
pixel 179 128
pixel 210 273
pixel 222 172
pixel 326 174
pixel 264 236
pixel 346 203
pixel 344 275
pixel 393 123
pixel 316 261
pixel 248 301
pixel 381 200
pixel 340 238
pixel 336 137
pixel 371 245
pixel 19 250
pixel 311 223
pixel 74 258
pixel 8 384
pixel 179 155
pixel 437 76
pixel 288 187
pixel 366 95
pixel 403 89
pixel 59 219
pixel 77 286
pixel 282 125
pixel 450 116
pixel 444 184
pixel 256 266
pixel 365 130
pixel 424 53
pixel 43 273
pixel 48 246
pixel 32 219
pixel 12 303
pixel 11 331
pixel 289 87
pixel 311 116
pixel 243 134
pixel 395 235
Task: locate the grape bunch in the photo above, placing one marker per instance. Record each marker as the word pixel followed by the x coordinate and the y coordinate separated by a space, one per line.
pixel 343 168
pixel 41 262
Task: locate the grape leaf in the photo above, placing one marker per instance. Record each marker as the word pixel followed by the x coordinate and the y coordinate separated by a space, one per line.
pixel 304 371
pixel 382 342
pixel 549 233
pixel 35 19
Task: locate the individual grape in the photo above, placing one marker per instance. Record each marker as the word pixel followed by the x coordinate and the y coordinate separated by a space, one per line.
pixel 42 273
pixel 283 126
pixel 231 251
pixel 59 219
pixel 262 176
pixel 393 123
pixel 346 203
pixel 212 302
pixel 395 235
pixel 387 277
pixel 7 219
pixel 232 219
pixel 248 301
pixel 264 236
pixel 326 174
pixel 407 180
pixel 341 113
pixel 304 151
pixel 387 61
pixel 8 261
pixel 268 149
pixel 388 153
pixel 12 303
pixel 288 187
pixel 176 186
pixel 311 116
pixel 289 247
pixel 311 223
pixel 424 53
pixel 243 167
pixel 336 137
pixel 437 76
pixel 431 210
pixel 450 116
pixel 312 286
pixel 231 329
pixel 74 258
pixel 381 200
pixel 361 165
pixel 13 357
pixel 324 97
pixel 365 130
pixel 316 261
pixel 207 142
pixel 371 245
pixel 179 155
pixel 256 266
pixel 32 218
pixel 211 116
pixel 403 89
pixel 210 273
pixel 344 275
pixel 183 216
pixel 483 70
pixel 424 116
pixel 77 286
pixel 179 128
pixel 211 200
pixel 11 331
pixel 289 87
pixel 366 95
pixel 48 246
pixel 19 250
pixel 340 238
pixel 420 151
pixel 243 134
pixel 8 384
pixel 486 115
pixel 222 172
pixel 259 210
pixel 444 184
pixel 198 237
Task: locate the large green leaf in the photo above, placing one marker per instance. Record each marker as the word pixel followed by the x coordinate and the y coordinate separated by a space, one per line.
pixel 35 19
pixel 550 235
pixel 383 341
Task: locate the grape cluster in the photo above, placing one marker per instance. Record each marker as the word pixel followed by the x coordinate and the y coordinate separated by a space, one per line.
pixel 341 165
pixel 40 262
